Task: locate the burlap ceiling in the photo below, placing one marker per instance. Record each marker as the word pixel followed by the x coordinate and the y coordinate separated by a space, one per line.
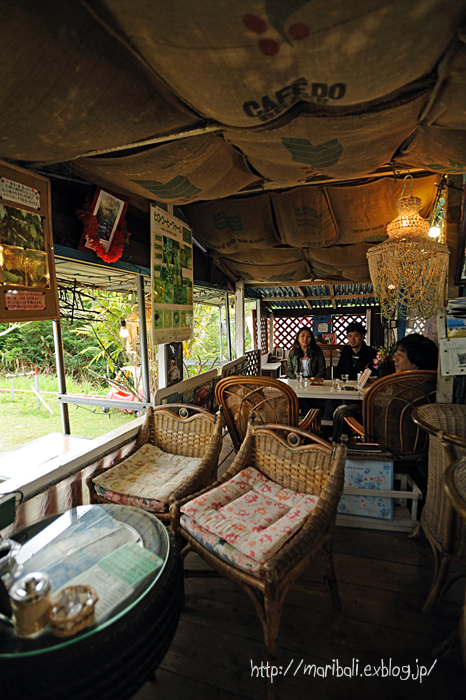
pixel 330 228
pixel 289 92
pixel 200 167
pixel 246 62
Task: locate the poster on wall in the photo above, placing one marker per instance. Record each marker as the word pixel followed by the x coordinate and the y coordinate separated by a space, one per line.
pixel 28 288
pixel 172 278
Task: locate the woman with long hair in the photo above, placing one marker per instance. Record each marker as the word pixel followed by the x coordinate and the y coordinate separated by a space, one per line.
pixel 305 357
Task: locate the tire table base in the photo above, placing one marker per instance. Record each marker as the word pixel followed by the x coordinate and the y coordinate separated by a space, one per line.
pixel 111 664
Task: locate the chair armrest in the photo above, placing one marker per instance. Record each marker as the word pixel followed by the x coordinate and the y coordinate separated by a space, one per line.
pixel 355 425
pixel 311 421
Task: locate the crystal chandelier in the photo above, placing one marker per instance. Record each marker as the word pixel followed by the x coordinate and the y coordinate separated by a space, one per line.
pixel 409 270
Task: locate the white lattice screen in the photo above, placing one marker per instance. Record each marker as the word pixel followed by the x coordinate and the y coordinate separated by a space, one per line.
pixel 285 329
pixel 340 324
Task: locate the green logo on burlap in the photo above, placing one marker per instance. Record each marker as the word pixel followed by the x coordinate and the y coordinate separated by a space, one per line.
pixel 178 188
pixel 221 221
pixel 322 156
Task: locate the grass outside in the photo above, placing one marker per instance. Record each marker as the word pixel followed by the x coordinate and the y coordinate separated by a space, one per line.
pixel 21 421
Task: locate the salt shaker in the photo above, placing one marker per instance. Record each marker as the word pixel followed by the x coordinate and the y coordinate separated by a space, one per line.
pixel 30 601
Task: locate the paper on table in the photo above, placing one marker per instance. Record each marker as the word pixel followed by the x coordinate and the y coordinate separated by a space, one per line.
pixel 116 576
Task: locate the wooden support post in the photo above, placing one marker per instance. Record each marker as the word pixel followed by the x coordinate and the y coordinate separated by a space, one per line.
pixel 239 318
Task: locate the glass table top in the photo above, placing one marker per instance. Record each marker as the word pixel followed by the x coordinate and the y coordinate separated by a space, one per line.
pixel 109 547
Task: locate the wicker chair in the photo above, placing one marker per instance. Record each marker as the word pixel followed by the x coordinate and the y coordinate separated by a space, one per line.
pixel 183 430
pixel 307 468
pixel 446 425
pixel 271 400
pixel 386 414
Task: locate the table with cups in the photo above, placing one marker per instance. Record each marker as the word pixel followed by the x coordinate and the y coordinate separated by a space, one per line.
pixel 336 389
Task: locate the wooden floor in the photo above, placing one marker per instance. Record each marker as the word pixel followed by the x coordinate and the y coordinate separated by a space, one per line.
pixel 384 579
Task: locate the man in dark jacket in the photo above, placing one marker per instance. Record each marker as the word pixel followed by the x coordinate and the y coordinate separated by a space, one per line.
pixel 357 356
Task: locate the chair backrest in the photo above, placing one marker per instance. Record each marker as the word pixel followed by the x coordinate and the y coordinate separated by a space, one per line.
pixel 304 468
pixel 271 400
pixel 387 408
pixel 446 425
pixel 179 429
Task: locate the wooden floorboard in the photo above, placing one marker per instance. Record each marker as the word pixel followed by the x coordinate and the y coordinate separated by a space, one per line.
pixel 384 578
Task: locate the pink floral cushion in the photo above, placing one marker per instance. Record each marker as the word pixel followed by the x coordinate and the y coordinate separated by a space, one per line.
pixel 252 514
pixel 221 548
pixel 147 478
pixel 149 504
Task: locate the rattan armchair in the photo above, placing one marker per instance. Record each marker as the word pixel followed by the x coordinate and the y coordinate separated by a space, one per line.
pixel 446 532
pixel 271 400
pixel 177 429
pixel 316 469
pixel 386 413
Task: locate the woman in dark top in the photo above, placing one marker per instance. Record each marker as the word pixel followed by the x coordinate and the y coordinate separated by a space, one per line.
pixel 305 356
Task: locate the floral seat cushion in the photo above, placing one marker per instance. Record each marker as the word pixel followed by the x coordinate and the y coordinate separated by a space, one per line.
pixel 147 478
pixel 247 519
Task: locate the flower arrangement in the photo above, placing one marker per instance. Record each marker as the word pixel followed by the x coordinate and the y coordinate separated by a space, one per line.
pixel 383 361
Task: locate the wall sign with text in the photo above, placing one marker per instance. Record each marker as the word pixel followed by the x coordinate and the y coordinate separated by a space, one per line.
pixel 172 277
pixel 28 288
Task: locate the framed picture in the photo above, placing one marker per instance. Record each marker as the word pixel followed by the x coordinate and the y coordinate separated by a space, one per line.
pixel 329 338
pixel 174 362
pixel 109 210
pixel 279 353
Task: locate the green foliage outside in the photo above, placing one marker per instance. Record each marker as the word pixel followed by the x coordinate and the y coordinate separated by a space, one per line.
pixel 31 344
pixel 204 346
pixel 93 351
pixel 21 421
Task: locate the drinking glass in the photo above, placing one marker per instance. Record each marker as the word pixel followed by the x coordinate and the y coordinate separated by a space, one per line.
pixel 344 378
pixel 335 384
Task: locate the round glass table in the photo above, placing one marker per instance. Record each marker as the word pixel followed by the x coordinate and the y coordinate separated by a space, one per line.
pixel 111 548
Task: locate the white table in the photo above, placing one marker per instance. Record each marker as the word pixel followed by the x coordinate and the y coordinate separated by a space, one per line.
pixel 324 391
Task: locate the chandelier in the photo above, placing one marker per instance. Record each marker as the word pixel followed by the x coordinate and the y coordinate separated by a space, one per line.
pixel 409 270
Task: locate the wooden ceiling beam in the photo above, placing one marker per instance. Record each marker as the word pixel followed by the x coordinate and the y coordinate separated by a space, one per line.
pixel 305 283
pixel 316 297
pixel 304 298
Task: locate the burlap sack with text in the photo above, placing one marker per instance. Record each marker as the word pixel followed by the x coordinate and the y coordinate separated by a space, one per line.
pixel 303 217
pixel 244 63
pixel 339 146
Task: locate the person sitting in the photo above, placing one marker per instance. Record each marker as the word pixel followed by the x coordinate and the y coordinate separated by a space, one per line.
pixel 415 351
pixel 305 357
pixel 357 355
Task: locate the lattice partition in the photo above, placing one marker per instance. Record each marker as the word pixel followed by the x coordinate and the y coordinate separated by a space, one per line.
pixel 340 324
pixel 254 363
pixel 285 329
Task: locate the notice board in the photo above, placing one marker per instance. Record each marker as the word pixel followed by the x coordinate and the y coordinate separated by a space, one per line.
pixel 28 285
pixel 172 277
